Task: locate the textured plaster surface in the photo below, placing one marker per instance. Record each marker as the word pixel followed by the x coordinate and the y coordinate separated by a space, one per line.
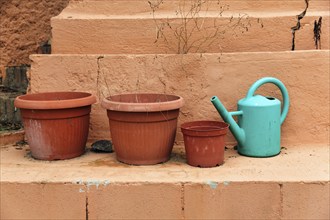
pixel 292 185
pixel 24 26
pixel 129 7
pixel 11 137
pixel 41 201
pixel 135 201
pixel 197 78
pixel 250 200
pixel 306 164
pixel 306 198
pixel 96 27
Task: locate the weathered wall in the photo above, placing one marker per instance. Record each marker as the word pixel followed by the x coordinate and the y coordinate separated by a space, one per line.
pixel 130 27
pixel 24 26
pixel 197 78
pixel 96 186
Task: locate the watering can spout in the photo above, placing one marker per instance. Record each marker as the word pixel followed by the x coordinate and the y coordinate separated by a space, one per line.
pixel 228 117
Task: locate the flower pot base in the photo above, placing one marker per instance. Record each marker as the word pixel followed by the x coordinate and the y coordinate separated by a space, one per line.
pixel 142 162
pixel 58 156
pixel 203 164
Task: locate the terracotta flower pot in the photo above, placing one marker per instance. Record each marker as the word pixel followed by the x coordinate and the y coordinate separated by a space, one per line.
pixel 204 142
pixel 143 126
pixel 56 123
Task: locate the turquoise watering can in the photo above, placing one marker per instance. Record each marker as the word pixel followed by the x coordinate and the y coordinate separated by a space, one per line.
pixel 258 131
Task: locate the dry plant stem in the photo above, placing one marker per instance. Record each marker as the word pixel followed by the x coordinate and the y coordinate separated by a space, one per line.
pixel 192 34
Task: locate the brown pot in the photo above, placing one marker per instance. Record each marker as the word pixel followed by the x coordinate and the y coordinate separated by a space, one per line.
pixel 143 126
pixel 56 123
pixel 204 142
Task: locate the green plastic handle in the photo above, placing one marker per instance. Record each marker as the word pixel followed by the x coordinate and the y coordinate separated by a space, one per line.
pixel 280 85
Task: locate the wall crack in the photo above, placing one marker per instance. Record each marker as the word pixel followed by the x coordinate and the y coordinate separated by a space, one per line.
pixel 281 200
pixel 86 207
pixel 98 79
pixel 317 33
pixel 182 202
pixel 297 27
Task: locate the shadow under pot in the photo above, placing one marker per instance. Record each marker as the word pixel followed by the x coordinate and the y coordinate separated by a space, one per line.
pixel 143 126
pixel 204 142
pixel 56 124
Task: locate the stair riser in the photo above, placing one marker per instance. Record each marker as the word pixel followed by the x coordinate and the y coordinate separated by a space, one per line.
pixel 138 36
pixel 197 78
pixel 257 200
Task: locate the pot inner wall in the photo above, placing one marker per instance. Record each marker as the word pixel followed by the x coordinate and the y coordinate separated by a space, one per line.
pixel 55 96
pixel 204 128
pixel 143 98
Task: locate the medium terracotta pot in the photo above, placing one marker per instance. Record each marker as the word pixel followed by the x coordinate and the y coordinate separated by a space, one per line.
pixel 56 123
pixel 204 142
pixel 143 126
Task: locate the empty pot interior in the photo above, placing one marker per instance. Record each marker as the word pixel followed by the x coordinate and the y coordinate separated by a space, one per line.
pixel 54 96
pixel 143 98
pixel 204 126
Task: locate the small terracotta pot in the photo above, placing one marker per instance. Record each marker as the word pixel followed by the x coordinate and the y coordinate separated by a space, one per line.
pixel 143 126
pixel 204 142
pixel 56 123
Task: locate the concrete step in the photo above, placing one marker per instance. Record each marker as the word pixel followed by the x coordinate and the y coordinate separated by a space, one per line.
pixel 131 27
pixel 292 185
pixel 11 137
pixel 131 7
pixel 197 77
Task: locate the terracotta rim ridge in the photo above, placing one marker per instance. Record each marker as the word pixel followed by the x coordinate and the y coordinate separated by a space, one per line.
pixel 176 102
pixel 204 128
pixel 64 100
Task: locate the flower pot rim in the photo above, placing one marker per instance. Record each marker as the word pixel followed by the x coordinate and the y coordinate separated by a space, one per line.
pixel 46 100
pixel 176 102
pixel 204 128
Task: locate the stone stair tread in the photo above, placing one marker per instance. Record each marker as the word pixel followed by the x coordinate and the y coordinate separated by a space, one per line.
pixel 121 7
pixel 165 15
pixel 304 163
pixel 131 27
pixel 138 36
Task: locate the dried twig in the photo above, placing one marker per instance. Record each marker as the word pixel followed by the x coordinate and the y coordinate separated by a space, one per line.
pixel 193 32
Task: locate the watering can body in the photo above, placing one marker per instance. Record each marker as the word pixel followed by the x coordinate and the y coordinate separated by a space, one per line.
pixel 258 129
pixel 262 126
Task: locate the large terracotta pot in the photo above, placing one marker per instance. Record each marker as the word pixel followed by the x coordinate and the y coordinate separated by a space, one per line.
pixel 143 126
pixel 204 142
pixel 56 123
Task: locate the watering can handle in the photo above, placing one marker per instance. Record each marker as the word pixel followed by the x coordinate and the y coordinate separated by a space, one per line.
pixel 280 85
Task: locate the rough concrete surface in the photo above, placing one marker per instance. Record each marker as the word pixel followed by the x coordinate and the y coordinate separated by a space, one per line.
pixel 11 137
pixel 135 201
pixel 292 185
pixel 137 6
pixel 309 163
pixel 197 78
pixel 24 26
pixel 301 201
pixel 130 27
pixel 249 200
pixel 41 201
